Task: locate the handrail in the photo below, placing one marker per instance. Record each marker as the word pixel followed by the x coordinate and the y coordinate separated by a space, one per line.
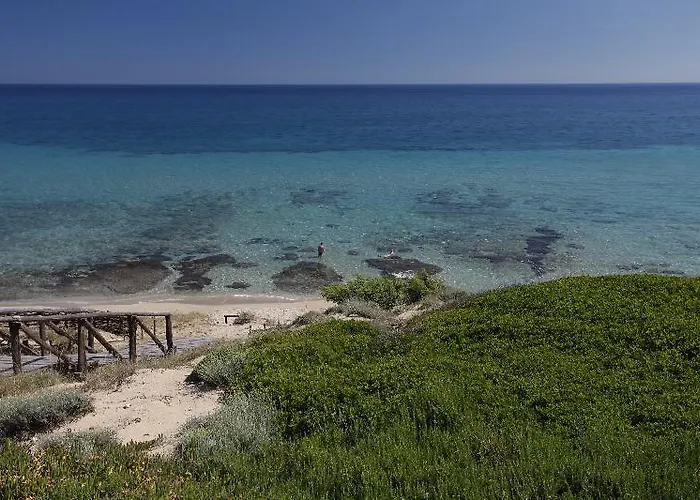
pixel 84 315
pixel 19 324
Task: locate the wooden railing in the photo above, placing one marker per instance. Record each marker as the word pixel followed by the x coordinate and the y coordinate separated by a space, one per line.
pixel 26 333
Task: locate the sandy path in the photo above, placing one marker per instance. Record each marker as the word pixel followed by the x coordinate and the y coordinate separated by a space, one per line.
pixel 151 403
pixel 155 402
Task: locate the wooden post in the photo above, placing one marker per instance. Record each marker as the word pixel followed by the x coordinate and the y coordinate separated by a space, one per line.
pixel 82 359
pixel 64 333
pixel 90 336
pixel 24 345
pixel 42 336
pixel 169 334
pixel 132 339
pixel 15 346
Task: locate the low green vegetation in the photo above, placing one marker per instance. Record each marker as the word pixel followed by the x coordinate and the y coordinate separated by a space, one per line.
pixel 243 423
pixel 577 388
pixel 24 414
pixel 219 367
pixel 78 443
pixel 111 376
pixel 387 291
pixel 309 318
pixel 359 308
pixel 24 383
pixel 243 318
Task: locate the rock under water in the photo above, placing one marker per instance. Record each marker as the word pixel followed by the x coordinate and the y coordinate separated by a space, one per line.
pixel 537 247
pixel 306 277
pixel 123 277
pixel 194 270
pixel 238 285
pixel 399 265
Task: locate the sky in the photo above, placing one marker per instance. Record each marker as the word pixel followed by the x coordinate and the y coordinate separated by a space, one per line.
pixel 349 42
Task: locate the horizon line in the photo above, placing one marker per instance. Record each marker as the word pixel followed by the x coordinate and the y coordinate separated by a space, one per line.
pixel 417 84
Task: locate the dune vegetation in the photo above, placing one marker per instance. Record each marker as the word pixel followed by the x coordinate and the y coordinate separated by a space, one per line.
pixel 584 387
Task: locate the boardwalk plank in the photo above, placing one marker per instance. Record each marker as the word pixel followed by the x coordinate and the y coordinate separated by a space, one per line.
pixel 34 363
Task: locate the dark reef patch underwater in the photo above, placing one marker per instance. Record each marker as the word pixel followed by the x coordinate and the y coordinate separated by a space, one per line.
pixel 496 185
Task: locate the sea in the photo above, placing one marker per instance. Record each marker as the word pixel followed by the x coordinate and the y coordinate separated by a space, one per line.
pixel 496 185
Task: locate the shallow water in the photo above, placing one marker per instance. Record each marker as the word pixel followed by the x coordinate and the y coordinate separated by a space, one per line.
pixel 491 204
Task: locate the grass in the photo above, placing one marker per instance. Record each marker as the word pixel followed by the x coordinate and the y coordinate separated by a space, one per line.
pixel 104 377
pixel 183 358
pixel 109 376
pixel 577 388
pixel 25 383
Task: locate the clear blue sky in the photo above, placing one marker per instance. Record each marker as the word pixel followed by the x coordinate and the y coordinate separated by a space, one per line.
pixel 350 41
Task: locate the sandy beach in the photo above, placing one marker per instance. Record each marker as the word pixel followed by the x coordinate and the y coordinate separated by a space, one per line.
pixel 157 402
pixel 193 314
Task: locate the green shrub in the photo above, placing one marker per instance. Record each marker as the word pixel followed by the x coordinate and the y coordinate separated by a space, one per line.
pixel 342 373
pixel 568 387
pixel 310 318
pixel 576 350
pixel 217 368
pixel 242 423
pixel 421 285
pixel 243 318
pixel 361 308
pixel 79 443
pixel 38 412
pixel 386 291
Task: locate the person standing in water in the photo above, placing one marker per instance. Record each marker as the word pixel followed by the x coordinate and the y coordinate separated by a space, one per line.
pixel 321 249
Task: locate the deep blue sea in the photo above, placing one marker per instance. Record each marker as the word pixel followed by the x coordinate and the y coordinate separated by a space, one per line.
pixel 497 185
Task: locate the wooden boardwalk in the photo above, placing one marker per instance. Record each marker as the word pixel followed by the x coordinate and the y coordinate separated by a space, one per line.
pixel 33 363
pixel 31 337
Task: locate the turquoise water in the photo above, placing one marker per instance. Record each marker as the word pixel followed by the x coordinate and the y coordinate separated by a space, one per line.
pixel 101 175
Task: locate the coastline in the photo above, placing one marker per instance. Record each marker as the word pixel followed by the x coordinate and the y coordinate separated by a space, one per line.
pixel 265 308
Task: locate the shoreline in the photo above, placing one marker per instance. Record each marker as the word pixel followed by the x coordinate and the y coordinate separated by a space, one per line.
pixel 173 303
